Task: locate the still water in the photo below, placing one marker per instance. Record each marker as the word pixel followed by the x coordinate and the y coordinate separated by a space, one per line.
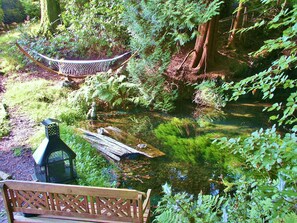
pixel 142 173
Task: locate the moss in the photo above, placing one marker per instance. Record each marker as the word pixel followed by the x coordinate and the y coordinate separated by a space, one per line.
pixel 184 140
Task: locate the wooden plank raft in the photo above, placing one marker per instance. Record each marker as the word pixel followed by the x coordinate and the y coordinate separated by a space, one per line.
pixel 115 149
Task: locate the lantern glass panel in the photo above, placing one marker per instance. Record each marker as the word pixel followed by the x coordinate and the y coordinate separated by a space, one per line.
pixel 59 168
pixel 57 156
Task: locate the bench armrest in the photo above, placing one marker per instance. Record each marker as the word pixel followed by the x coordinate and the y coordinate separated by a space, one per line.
pixel 146 202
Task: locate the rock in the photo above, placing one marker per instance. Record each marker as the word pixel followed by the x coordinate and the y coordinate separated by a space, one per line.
pixel 4 176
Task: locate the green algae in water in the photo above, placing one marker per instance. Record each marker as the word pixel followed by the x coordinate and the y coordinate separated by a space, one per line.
pixel 186 141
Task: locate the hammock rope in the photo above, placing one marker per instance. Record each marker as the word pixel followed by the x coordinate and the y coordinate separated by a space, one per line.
pixel 73 68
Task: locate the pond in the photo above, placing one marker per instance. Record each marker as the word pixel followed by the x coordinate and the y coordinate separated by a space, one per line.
pixel 186 172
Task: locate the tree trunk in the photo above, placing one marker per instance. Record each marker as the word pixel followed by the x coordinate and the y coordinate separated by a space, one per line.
pixel 205 46
pixel 50 11
pixel 235 25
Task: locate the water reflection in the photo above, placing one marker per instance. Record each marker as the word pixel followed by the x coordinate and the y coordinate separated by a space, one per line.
pixel 147 173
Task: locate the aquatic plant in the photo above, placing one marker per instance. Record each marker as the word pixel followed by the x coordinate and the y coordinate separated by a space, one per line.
pixel 184 140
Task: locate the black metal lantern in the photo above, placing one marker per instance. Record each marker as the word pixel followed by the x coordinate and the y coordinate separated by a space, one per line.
pixel 54 160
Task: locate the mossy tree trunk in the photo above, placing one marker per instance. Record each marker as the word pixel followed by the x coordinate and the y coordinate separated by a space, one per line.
pixel 205 46
pixel 50 12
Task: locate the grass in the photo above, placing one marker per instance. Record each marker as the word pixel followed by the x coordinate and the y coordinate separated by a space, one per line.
pixel 42 99
pixel 17 151
pixel 11 58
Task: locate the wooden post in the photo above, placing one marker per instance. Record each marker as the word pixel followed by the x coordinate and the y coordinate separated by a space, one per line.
pixel 8 208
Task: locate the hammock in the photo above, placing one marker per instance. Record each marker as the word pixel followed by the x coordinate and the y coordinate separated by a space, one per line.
pixel 73 68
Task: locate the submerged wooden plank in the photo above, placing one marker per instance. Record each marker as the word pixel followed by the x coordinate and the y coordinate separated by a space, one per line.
pixel 132 141
pixel 109 146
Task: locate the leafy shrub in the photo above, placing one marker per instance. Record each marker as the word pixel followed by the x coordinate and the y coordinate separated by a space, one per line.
pixel 31 8
pixel 11 58
pixel 97 22
pixel 13 11
pixel 156 28
pixel 207 95
pixel 265 192
pixel 182 207
pixel 154 91
pixel 118 91
pixel 90 29
pixel 4 122
pixel 111 91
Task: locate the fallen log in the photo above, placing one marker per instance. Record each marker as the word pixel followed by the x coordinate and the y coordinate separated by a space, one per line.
pixel 131 140
pixel 110 147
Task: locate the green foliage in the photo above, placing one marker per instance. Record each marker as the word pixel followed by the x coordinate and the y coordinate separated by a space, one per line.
pixel 91 167
pixel 265 192
pixel 88 29
pixel 41 99
pixel 111 90
pixel 17 151
pixel 155 28
pixel 182 207
pixel 31 8
pixel 158 24
pixel 279 75
pixel 4 122
pixel 266 189
pixel 185 141
pixel 270 173
pixel 96 21
pixel 13 11
pixel 289 218
pixel 118 91
pixel 10 59
pixel 154 91
pixel 208 95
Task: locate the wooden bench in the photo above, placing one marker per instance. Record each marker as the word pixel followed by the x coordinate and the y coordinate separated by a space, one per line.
pixel 71 203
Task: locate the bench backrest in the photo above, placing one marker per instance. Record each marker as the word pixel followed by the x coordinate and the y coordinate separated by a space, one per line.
pixel 72 200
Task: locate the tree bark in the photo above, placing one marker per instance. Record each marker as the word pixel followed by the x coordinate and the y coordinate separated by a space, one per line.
pixel 205 46
pixel 235 25
pixel 50 12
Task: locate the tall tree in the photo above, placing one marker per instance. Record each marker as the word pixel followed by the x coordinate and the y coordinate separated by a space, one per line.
pixel 50 12
pixel 205 46
pixel 235 24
